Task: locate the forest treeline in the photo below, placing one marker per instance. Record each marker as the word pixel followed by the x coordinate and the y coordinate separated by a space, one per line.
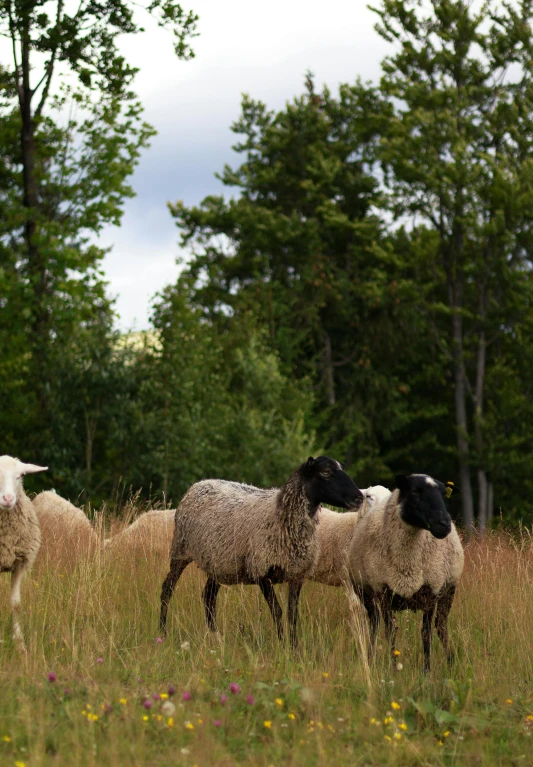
pixel 363 288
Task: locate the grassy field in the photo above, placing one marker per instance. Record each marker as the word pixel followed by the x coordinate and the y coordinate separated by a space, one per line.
pixel 92 626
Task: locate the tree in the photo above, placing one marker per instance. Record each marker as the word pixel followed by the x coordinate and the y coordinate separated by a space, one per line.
pixel 212 404
pixel 457 153
pixel 300 251
pixel 71 133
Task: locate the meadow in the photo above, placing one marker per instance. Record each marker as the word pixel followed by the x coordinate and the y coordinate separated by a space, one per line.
pixel 99 686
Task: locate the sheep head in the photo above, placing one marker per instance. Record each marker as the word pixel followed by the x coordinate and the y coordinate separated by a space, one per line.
pixel 11 472
pixel 325 481
pixel 422 503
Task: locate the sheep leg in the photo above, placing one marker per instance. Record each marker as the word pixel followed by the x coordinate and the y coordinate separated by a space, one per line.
pixel 267 590
pixel 444 606
pixel 427 620
pixel 16 582
pixel 373 617
pixel 294 596
pixel 177 566
pixel 209 596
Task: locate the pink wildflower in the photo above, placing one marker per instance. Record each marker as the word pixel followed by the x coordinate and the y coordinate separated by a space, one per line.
pixel 52 677
pixel 186 695
pixel 234 688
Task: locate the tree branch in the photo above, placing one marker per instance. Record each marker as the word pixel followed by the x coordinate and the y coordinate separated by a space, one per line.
pixel 50 66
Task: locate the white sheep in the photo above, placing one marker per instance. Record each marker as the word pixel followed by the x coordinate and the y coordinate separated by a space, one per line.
pixel 334 533
pixel 242 534
pixel 150 533
pixel 66 531
pixel 20 536
pixel 406 555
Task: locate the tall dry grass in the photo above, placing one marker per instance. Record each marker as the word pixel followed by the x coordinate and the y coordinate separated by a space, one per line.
pixel 92 621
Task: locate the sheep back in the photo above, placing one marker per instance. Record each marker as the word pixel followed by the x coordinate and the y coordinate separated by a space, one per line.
pixel 150 533
pixel 65 529
pixel 237 533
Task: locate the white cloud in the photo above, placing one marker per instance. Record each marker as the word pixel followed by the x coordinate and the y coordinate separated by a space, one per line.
pixel 260 49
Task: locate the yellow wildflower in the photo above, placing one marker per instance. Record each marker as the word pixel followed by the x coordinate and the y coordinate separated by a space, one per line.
pixel 325 675
pixel 6 739
pixel 279 702
pixel 293 716
pixel 387 739
pixel 164 695
pixel 445 734
pixel 170 722
pixel 403 726
pixel 123 701
pixel 395 706
pixel 529 718
pixel 397 736
pixel 145 718
pixel 373 720
pixel 440 743
pixel 508 701
pixel 267 723
pixel 396 653
pixel 200 721
pixel 189 726
pixel 20 764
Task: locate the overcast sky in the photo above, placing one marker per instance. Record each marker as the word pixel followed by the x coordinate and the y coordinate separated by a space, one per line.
pixel 262 49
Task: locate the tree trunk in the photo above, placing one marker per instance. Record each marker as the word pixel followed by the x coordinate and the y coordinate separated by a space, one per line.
pixel 478 422
pixel 327 370
pixel 490 504
pixel 460 407
pixel 36 266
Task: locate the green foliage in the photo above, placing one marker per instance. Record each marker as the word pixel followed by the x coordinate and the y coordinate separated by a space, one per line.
pixel 214 405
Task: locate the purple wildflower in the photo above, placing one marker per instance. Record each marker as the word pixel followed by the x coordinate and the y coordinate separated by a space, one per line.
pixel 186 695
pixel 234 688
pixel 52 677
pixel 250 700
pixel 218 723
pixel 171 689
pixel 147 704
pixel 223 699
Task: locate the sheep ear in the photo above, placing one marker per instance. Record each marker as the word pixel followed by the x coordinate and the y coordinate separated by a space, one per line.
pixel 401 482
pixel 310 462
pixel 31 468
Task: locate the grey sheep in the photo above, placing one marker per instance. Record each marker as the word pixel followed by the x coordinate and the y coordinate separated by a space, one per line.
pixel 20 536
pixel 334 534
pixel 242 534
pixel 407 555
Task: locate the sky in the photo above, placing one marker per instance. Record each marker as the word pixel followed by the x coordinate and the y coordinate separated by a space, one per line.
pixel 263 49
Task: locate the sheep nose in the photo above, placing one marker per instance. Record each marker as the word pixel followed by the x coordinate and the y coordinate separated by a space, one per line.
pixel 8 499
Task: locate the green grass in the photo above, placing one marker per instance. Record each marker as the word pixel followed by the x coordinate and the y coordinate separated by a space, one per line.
pixel 324 704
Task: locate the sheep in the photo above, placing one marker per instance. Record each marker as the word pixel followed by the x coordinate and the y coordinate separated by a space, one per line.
pixel 334 534
pixel 151 532
pixel 65 527
pixel 407 555
pixel 20 536
pixel 242 534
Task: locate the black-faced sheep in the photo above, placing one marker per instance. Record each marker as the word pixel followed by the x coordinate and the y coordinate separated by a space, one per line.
pixel 20 536
pixel 406 555
pixel 242 534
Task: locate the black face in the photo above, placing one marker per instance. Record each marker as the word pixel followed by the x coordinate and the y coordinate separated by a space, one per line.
pixel 326 482
pixel 422 503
